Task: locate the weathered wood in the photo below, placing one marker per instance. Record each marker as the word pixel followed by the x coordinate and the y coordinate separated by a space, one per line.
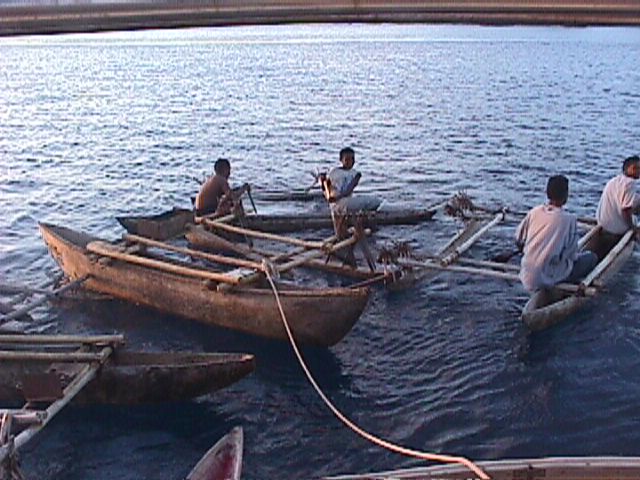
pixel 106 249
pixel 24 417
pixel 459 250
pixel 63 339
pixel 236 262
pixel 264 235
pixel 319 316
pixel 72 357
pixel 566 287
pixel 608 259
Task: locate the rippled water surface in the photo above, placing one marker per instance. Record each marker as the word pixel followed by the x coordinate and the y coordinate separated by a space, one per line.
pixel 94 126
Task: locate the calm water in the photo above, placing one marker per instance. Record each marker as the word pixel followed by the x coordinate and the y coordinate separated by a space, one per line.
pixel 92 126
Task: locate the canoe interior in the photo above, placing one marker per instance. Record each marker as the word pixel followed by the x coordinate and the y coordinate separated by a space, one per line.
pixel 548 307
pixel 223 461
pixel 571 468
pixel 159 227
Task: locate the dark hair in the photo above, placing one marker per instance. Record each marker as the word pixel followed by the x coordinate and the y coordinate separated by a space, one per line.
pixel 346 151
pixel 630 161
pixel 558 188
pixel 221 165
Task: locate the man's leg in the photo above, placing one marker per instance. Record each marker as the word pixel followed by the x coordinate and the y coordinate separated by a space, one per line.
pixel 585 262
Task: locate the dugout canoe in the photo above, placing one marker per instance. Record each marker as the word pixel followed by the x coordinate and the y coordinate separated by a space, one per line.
pixel 553 468
pixel 318 316
pixel 173 223
pixel 548 307
pixel 223 461
pixel 128 377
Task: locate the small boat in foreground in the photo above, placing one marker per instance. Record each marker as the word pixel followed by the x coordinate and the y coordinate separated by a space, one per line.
pixel 554 468
pixel 548 307
pixel 223 461
pixel 173 223
pixel 319 316
pixel 128 377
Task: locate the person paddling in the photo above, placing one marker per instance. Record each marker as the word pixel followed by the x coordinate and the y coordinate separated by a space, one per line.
pixel 215 195
pixel 338 187
pixel 548 237
pixel 618 202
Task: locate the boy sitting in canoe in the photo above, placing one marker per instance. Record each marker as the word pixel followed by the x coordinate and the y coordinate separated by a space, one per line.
pixel 548 236
pixel 215 195
pixel 618 203
pixel 339 184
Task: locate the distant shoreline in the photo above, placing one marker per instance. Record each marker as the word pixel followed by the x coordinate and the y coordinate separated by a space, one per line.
pixel 30 20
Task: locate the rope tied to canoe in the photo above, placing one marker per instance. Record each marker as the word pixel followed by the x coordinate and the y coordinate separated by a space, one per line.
pixel 355 428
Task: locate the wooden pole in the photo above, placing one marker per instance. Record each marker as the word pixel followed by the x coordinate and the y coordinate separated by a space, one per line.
pixel 469 243
pixel 606 261
pixel 305 257
pixel 66 357
pixel 87 374
pixel 265 235
pixel 27 308
pixel 236 262
pixel 106 249
pixel 62 339
pixel 565 287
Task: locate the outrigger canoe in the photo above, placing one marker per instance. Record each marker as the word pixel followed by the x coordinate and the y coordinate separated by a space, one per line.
pixel 548 307
pixel 319 316
pixel 223 461
pixel 172 223
pixel 558 468
pixel 129 377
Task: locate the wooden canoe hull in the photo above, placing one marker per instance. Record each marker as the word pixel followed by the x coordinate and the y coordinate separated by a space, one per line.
pixel 223 461
pixel 321 316
pixel 571 468
pixel 134 377
pixel 172 223
pixel 546 308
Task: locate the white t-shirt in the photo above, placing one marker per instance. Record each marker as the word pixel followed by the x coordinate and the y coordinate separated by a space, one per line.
pixel 619 193
pixel 550 238
pixel 340 180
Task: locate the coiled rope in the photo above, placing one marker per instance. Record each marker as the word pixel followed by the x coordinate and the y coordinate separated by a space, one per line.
pixel 268 268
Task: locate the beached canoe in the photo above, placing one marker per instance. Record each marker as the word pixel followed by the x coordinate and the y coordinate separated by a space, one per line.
pixel 129 377
pixel 559 468
pixel 548 307
pixel 223 461
pixel 320 316
pixel 172 223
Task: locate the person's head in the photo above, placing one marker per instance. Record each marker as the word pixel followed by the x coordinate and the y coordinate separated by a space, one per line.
pixel 222 167
pixel 347 157
pixel 631 166
pixel 558 190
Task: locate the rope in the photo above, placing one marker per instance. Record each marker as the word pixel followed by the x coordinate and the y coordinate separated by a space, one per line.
pixel 368 436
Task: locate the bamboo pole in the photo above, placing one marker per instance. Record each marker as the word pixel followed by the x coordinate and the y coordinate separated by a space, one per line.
pixel 484 263
pixel 565 287
pixel 105 249
pixel 265 235
pixel 87 374
pixel 303 258
pixel 21 311
pixel 606 261
pixel 66 357
pixel 236 262
pixel 63 339
pixel 25 417
pixel 450 258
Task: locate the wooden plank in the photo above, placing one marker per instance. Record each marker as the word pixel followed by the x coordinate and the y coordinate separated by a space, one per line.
pixel 106 249
pixel 70 357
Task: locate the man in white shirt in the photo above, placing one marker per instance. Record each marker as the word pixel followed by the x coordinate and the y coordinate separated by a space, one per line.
pixel 338 188
pixel 618 203
pixel 548 237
